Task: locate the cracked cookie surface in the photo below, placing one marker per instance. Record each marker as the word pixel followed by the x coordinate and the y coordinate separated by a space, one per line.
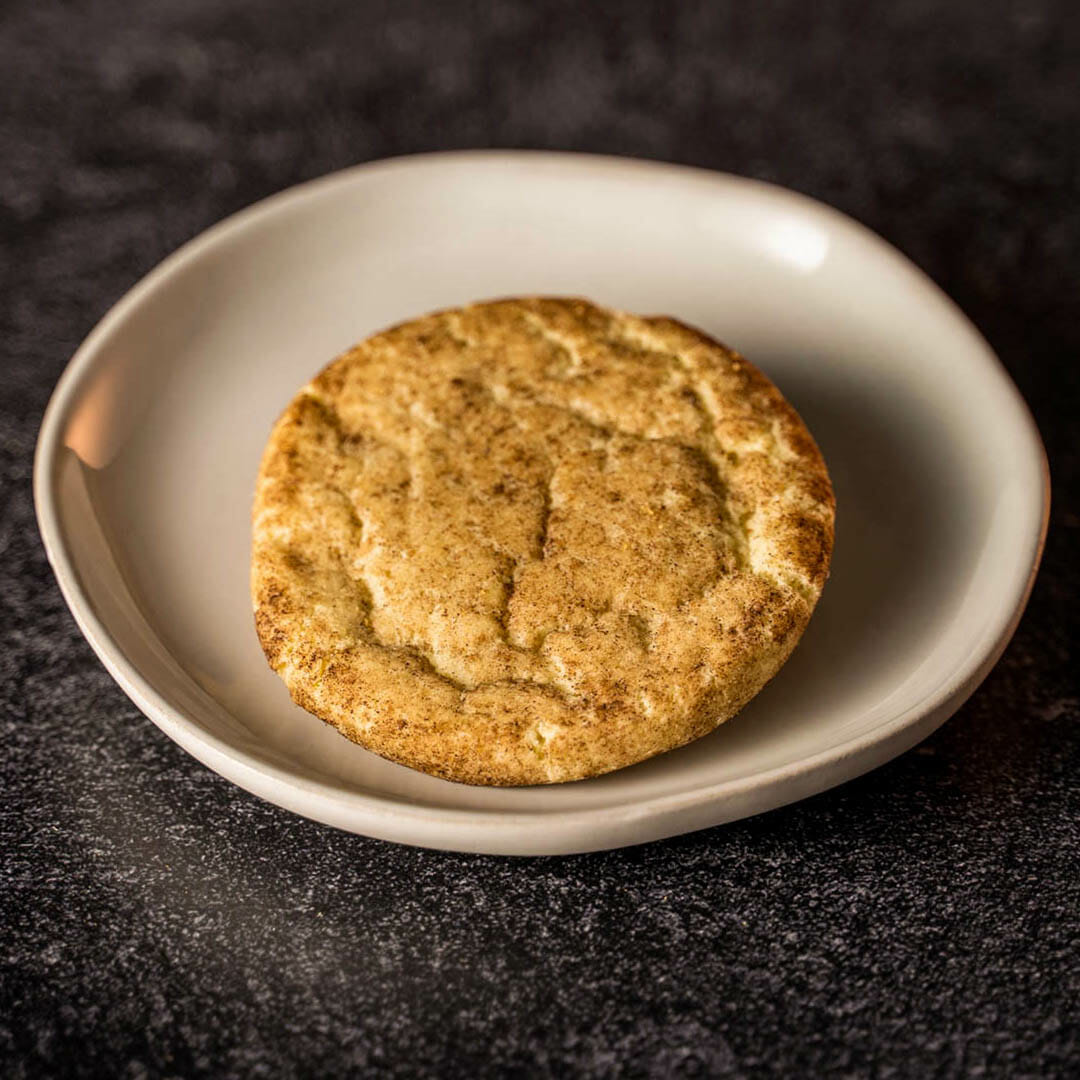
pixel 535 540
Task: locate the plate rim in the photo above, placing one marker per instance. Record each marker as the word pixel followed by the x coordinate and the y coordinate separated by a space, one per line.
pixel 489 830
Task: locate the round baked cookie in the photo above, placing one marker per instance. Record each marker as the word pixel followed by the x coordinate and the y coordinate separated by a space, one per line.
pixel 535 540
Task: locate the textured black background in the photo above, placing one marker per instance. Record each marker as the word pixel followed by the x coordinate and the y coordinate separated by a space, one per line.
pixel 923 921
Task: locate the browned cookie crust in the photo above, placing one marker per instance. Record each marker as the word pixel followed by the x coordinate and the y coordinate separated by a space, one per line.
pixel 536 540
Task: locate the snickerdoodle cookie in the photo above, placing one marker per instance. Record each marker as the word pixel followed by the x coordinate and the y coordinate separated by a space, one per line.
pixel 536 540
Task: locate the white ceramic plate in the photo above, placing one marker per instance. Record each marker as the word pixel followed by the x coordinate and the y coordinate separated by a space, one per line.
pixel 148 452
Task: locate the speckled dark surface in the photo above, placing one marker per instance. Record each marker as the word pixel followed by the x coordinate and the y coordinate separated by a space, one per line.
pixel 156 921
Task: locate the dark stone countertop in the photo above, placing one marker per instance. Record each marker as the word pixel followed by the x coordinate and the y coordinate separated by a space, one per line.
pixel 923 921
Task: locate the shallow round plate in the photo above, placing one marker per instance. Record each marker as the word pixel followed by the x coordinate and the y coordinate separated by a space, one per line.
pixel 149 448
